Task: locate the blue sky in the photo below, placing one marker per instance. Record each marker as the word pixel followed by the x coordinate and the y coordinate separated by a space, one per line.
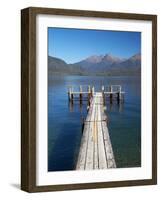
pixel 74 45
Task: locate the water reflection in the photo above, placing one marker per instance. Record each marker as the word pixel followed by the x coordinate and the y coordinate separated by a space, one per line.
pixel 77 104
pixel 109 106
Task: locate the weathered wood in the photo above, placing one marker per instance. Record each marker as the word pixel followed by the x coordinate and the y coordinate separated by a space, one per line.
pixel 111 97
pixel 92 91
pixel 111 91
pixel 95 158
pixel 83 146
pixel 108 147
pixel 83 92
pixel 72 96
pixel 101 149
pixel 95 149
pixel 90 147
pixel 80 94
pixel 107 141
pixel 103 94
pixel 118 97
pixel 69 93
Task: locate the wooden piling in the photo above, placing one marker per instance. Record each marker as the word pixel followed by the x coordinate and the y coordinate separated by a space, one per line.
pixel 89 94
pixel 111 94
pixel 82 124
pixel 103 94
pixel 80 94
pixel 69 93
pixel 72 97
pixel 118 97
pixel 92 91
pixel 120 94
pixel 114 90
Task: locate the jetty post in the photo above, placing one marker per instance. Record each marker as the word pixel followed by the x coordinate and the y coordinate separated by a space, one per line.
pixel 80 93
pixel 103 94
pixel 70 93
pixel 89 94
pixel 111 91
pixel 118 95
pixel 92 91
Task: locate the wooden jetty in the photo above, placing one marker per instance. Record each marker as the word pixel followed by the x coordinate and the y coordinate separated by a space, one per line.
pixel 96 149
pixel 112 91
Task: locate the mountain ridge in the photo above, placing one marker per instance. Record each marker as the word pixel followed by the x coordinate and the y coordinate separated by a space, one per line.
pixel 97 65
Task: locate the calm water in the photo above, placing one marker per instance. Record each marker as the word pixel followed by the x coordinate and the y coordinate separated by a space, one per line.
pixel 64 121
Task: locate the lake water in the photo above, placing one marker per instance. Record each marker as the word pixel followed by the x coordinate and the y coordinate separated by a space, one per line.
pixel 65 121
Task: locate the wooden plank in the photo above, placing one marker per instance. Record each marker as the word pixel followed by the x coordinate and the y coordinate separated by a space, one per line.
pixel 84 142
pixel 95 158
pixel 80 92
pixel 107 143
pixel 113 92
pixel 82 154
pixel 90 92
pixel 90 146
pixel 101 150
pixel 108 147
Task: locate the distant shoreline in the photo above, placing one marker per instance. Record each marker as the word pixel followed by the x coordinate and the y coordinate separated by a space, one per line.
pixel 108 75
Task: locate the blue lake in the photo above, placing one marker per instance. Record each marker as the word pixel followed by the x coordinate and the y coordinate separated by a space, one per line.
pixel 65 121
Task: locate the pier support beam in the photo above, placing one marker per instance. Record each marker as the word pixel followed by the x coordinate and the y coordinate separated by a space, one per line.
pixel 118 97
pixel 80 94
pixel 92 91
pixel 111 94
pixel 103 94
pixel 70 94
pixel 72 97
pixel 89 94
pixel 111 98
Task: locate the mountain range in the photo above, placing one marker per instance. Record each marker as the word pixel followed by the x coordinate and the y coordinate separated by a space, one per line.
pixel 97 65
